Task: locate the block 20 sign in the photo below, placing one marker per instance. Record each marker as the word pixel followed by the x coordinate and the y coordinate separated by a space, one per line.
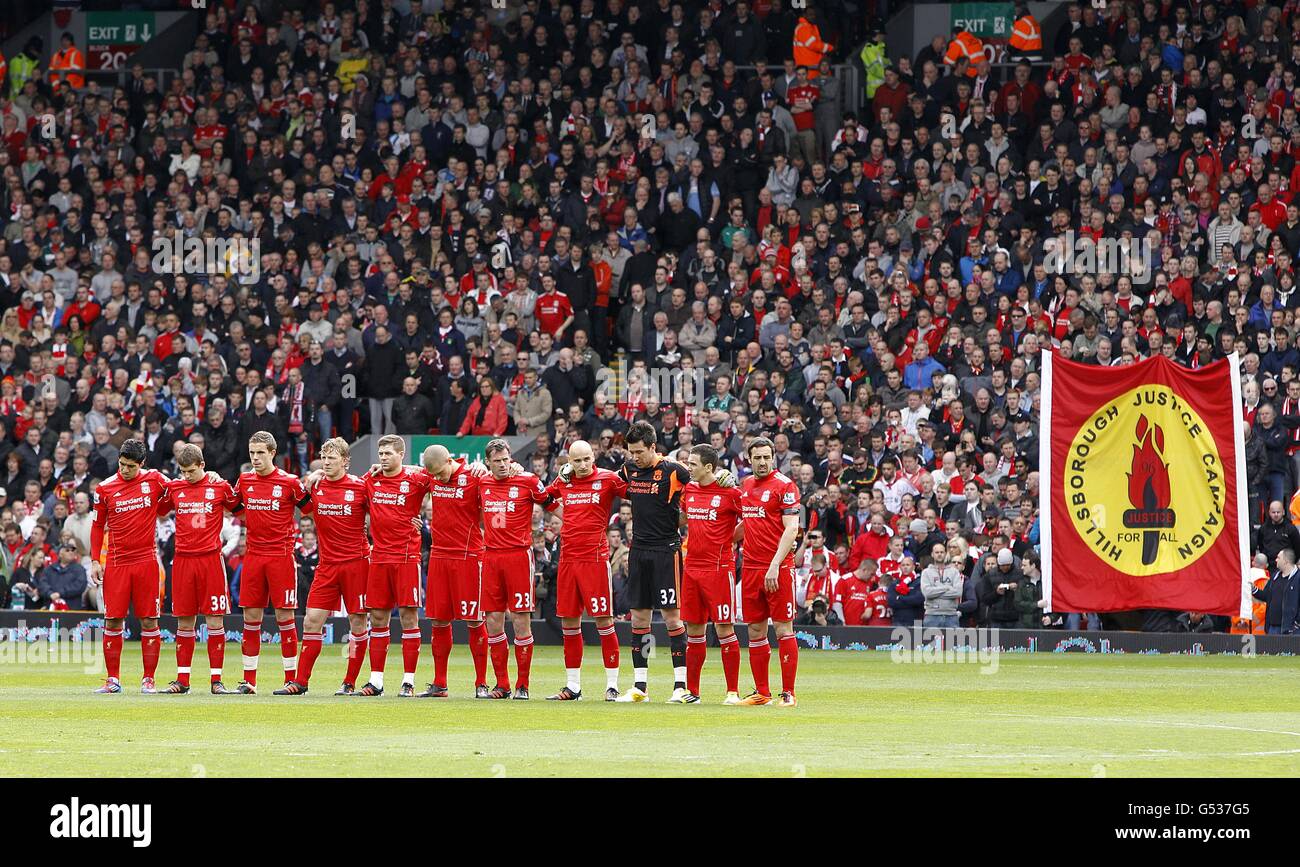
pixel 112 37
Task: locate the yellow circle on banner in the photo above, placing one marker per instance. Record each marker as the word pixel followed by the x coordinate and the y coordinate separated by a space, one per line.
pixel 1144 484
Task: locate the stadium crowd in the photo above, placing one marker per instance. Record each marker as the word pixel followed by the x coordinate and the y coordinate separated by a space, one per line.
pixel 467 219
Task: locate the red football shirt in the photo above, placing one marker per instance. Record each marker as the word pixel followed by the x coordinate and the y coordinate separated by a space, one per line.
pixel 854 596
pixel 269 503
pixel 508 510
pixel 878 612
pixel 457 510
pixel 394 501
pixel 339 509
pixel 712 513
pixel 200 507
pixel 586 505
pixel 551 311
pixel 764 504
pixel 129 512
pixel 811 92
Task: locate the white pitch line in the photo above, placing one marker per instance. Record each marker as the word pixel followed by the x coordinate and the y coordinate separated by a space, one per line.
pixel 1147 722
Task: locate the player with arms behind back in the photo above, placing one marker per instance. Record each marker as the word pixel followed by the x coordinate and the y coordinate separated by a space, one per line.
pixel 396 495
pixel 125 506
pixel 585 492
pixel 455 580
pixel 270 575
pixel 199 583
pixel 339 505
pixel 508 500
pixel 712 516
pixel 770 510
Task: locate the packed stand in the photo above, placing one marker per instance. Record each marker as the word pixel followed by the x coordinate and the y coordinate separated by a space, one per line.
pixel 555 219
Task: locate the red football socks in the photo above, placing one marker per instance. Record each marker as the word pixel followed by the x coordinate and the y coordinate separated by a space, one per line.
pixel 730 647
pixel 478 649
pixel 609 646
pixel 356 655
pixel 441 652
pixel 311 648
pixel 378 649
pixel 216 653
pixel 696 650
pixel 289 649
pixel 113 652
pixel 573 648
pixel 760 653
pixel 150 648
pixel 789 649
pixel 184 655
pixel 499 650
pixel 251 647
pixel 524 659
pixel 410 651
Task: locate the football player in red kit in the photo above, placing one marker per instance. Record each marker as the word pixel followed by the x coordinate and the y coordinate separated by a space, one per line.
pixel 508 500
pixel 269 576
pixel 586 493
pixel 396 495
pixel 853 594
pixel 712 517
pixel 199 585
pixel 770 510
pixel 339 505
pixel 125 505
pixel 454 585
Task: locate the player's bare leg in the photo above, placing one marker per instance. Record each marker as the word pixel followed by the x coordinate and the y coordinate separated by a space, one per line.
pixel 523 621
pixel 379 620
pixel 251 648
pixel 410 619
pixel 788 648
pixel 478 649
pixel 440 639
pixel 499 651
pixel 760 655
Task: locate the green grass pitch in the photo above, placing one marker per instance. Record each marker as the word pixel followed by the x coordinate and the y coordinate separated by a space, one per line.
pixel 860 713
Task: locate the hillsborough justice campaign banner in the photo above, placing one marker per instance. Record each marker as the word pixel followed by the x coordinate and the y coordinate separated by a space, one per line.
pixel 1142 489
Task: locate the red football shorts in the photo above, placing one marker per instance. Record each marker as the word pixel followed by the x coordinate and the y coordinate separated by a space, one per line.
pixel 584 584
pixel 130 584
pixel 268 582
pixel 707 594
pixel 340 582
pixel 757 605
pixel 454 589
pixel 392 585
pixel 508 580
pixel 199 585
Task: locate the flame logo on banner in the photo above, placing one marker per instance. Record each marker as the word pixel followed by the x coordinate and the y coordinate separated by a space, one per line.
pixel 1148 488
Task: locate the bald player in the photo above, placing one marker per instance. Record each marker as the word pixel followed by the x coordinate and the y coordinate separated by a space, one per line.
pixel 585 494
